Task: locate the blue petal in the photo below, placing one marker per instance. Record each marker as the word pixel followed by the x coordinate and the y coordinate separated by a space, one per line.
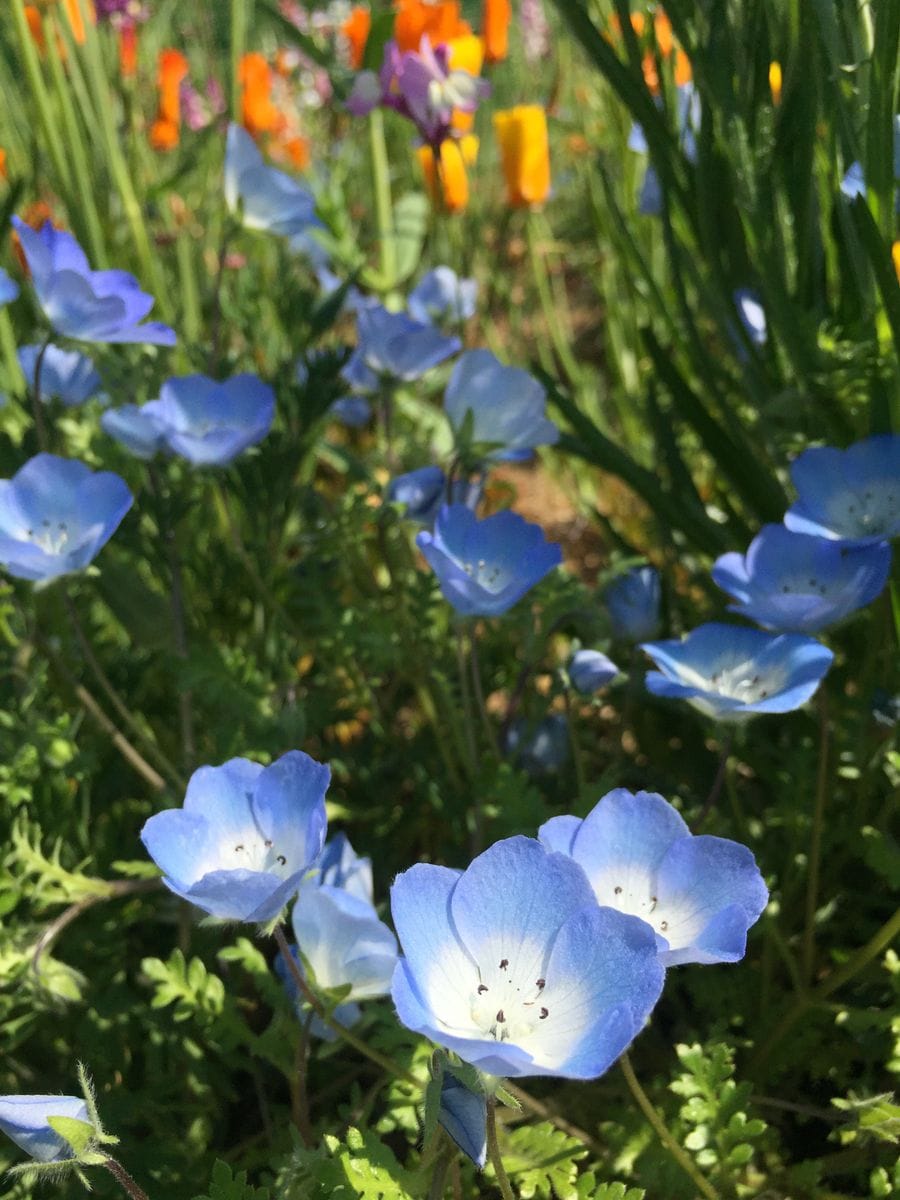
pixel 222 796
pixel 558 833
pixel 464 1116
pixel 511 901
pixel 24 1120
pixel 713 893
pixel 343 941
pixel 182 845
pixel 289 806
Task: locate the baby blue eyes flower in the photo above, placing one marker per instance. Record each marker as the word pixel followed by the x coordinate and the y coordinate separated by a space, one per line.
pixel 9 289
pixel 851 495
pixel 541 749
pixel 463 1114
pixel 514 966
pixel 353 411
pixel 55 516
pixel 506 403
pixel 206 422
pixel 800 584
pixel 24 1120
pixel 485 566
pixel 732 673
pixel 633 603
pixel 91 306
pixel 589 671
pixel 246 836
pixel 266 198
pixel 394 347
pixel 442 295
pixel 699 894
pixel 421 491
pixel 66 375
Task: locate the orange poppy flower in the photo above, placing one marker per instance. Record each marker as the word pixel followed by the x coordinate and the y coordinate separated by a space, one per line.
pixel 356 30
pixel 525 154
pixel 775 82
pixel 3 174
pixel 496 16
pixel 895 255
pixel 258 113
pixel 165 131
pixel 448 186
pixel 292 151
pixel 441 21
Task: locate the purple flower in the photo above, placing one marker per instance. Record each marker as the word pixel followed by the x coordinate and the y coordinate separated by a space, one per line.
pixel 92 306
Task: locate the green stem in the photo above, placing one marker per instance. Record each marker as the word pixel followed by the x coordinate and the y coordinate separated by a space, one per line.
pixel 493 1151
pixel 655 1120
pixel 127 1183
pixel 548 305
pixel 40 425
pixel 384 210
pixel 346 1035
pixel 238 42
pixel 475 666
pixel 808 954
pixel 577 756
pixel 38 89
pixel 471 746
pixel 439 1175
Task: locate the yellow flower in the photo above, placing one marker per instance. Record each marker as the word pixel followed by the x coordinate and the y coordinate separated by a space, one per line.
pixel 525 152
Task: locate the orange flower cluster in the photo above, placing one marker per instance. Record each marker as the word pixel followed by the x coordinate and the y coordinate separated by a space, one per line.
pixel 665 44
pixel 165 132
pixel 128 50
pixel 440 21
pixel 261 115
pixel 447 181
pixel 524 153
pixel 496 16
pixel 74 15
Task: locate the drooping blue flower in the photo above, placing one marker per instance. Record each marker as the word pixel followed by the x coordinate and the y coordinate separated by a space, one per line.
pixel 55 516
pixel 24 1120
pixel 268 199
pixel 700 894
pixel 91 306
pixel 540 749
pixel 589 671
pixel 752 315
pixel 797 583
pixel 135 429
pixel 732 673
pixel 354 299
pixel 687 118
pixel 633 602
pixel 441 295
pixel 485 566
pixel 9 289
pixel 353 411
pixel 507 406
pixel 424 490
pixel 463 1113
pixel 341 867
pixel 854 182
pixel 346 1013
pixel 66 375
pixel 394 348
pixel 851 495
pixel 245 837
pixel 513 965
pixel 211 423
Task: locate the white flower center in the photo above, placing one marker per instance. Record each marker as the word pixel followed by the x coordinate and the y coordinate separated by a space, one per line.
pixel 51 536
pixel 489 576
pixel 864 514
pixel 745 683
pixel 505 1006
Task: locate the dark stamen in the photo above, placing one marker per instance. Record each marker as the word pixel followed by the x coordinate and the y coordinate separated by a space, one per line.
pixel 500 1017
pixel 281 860
pixel 504 963
pixel 482 988
pixel 545 1013
pixel 238 848
pixel 541 983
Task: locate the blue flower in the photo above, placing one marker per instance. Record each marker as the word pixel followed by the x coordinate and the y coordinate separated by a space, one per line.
pixel 211 423
pixel 92 306
pixel 854 182
pixel 506 403
pixel 442 295
pixel 394 347
pixel 9 289
pixel 589 671
pixel 135 429
pixel 24 1120
pixel 245 837
pixel 732 673
pixel 541 749
pixel 421 491
pixel 354 411
pixel 797 583
pixel 341 867
pixel 851 495
pixel 463 1113
pixel 266 198
pixel 513 965
pixel 699 894
pixel 354 299
pixel 55 516
pixel 752 315
pixel 633 602
pixel 484 567
pixel 687 117
pixel 66 375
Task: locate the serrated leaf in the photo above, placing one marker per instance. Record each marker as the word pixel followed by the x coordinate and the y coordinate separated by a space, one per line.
pixel 542 1160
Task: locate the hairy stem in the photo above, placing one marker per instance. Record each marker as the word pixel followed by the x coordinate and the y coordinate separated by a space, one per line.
pixel 126 1181
pixel 40 425
pixel 815 846
pixel 493 1151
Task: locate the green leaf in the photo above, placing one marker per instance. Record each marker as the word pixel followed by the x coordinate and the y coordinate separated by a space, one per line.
pixel 225 1185
pixel 79 1134
pixel 542 1160
pixel 410 227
